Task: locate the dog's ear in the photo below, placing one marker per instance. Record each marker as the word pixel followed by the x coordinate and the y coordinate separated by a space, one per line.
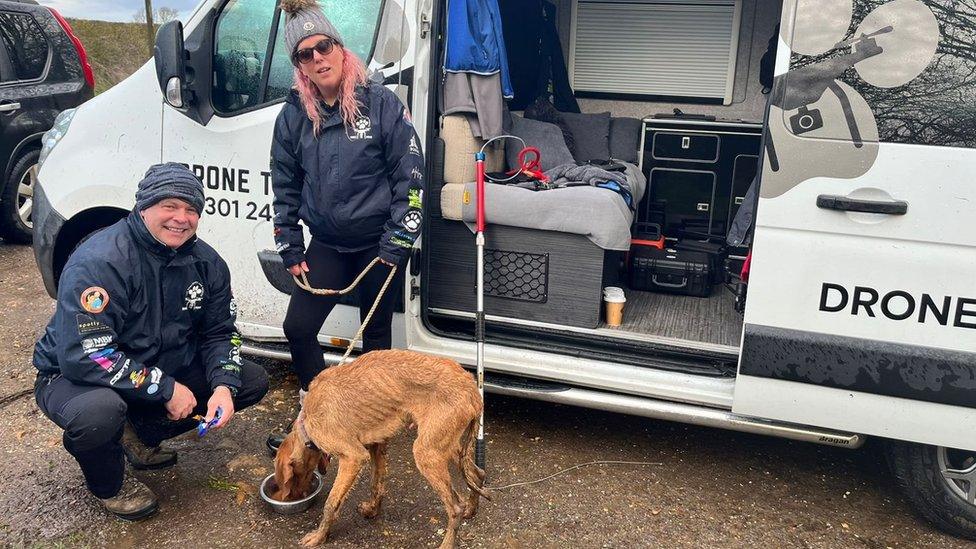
pixel 284 470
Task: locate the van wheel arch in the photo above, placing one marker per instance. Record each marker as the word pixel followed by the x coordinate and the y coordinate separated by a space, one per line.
pixel 917 469
pixel 77 230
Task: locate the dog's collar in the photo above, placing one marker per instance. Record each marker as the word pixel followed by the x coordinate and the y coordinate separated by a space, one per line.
pixel 302 433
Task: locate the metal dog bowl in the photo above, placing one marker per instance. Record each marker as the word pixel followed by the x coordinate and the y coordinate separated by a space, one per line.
pixel 290 507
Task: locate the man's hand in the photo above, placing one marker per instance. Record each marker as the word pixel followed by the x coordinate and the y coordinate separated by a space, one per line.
pixel 297 269
pixel 221 397
pixel 182 403
pixel 387 263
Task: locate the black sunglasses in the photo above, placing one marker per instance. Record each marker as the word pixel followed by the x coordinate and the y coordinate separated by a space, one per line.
pixel 305 55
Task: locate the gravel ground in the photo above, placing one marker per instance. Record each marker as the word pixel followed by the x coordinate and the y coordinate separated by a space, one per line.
pixel 704 487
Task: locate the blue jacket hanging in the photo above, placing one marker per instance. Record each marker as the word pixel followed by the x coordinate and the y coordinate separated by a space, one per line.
pixel 474 40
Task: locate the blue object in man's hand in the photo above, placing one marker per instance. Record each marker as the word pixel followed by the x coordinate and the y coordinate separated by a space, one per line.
pixel 203 427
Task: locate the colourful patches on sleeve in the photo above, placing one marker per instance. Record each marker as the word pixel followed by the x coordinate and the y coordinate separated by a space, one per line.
pixel 94 299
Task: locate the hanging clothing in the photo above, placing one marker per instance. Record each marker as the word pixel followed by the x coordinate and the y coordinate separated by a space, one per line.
pixel 539 68
pixel 474 40
pixel 480 95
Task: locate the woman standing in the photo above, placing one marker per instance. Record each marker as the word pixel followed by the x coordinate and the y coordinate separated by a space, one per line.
pixel 347 162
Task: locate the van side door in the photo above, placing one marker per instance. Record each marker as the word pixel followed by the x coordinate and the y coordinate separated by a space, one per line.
pixel 862 296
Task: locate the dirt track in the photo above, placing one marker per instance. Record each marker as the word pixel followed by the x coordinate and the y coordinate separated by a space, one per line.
pixel 708 487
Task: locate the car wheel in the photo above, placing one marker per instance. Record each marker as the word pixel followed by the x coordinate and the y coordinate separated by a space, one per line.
pixel 17 202
pixel 940 482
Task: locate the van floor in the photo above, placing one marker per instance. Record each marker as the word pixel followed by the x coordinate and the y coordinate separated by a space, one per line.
pixel 706 319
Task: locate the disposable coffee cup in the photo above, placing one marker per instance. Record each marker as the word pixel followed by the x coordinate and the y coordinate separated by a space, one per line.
pixel 615 309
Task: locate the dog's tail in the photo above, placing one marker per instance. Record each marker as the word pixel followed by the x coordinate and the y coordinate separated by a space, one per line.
pixel 474 477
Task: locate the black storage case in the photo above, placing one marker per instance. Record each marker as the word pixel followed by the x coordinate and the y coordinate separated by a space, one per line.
pixel 671 271
pixel 698 172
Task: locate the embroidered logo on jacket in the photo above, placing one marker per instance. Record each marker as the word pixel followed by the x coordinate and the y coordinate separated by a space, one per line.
pixel 361 129
pixel 412 221
pixel 94 299
pixel 194 295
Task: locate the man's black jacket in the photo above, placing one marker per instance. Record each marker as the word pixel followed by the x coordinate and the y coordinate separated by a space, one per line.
pixel 355 188
pixel 133 313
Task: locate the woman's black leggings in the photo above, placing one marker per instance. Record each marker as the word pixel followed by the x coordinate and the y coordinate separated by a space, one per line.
pixel 332 269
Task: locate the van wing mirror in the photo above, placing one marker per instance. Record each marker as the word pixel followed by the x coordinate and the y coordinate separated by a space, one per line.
pixel 170 57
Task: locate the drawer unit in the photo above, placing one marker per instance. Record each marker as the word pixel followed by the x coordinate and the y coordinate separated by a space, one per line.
pixel 684 146
pixel 695 170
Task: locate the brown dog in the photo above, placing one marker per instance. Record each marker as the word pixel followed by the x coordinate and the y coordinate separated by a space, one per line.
pixel 352 410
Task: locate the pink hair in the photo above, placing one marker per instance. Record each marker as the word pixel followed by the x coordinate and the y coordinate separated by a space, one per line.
pixel 353 75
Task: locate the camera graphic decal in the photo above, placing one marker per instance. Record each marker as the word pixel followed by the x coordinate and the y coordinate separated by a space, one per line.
pixel 821 123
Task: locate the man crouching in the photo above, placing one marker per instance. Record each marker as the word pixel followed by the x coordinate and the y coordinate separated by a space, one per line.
pixel 142 337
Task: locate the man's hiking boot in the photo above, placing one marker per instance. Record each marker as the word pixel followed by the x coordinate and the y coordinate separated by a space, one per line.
pixel 133 502
pixel 143 457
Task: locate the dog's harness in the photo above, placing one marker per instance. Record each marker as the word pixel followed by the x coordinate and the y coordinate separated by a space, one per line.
pixel 303 434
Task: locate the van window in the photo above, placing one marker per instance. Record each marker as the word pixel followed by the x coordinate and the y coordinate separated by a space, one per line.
pixel 916 69
pixel 665 48
pixel 241 44
pixel 356 22
pixel 243 34
pixel 26 46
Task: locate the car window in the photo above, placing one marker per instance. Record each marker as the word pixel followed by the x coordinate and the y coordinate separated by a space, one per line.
pixel 25 44
pixel 241 43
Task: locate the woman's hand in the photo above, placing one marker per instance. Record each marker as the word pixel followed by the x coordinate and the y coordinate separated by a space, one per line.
pixel 298 269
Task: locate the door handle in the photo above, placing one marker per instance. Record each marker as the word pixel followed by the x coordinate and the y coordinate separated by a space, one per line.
pixel 846 204
pixel 9 107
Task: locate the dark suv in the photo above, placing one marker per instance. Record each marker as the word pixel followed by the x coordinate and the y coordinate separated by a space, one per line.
pixel 43 70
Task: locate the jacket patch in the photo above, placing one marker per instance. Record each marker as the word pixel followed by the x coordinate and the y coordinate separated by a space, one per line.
pixel 138 378
pixel 118 375
pixel 412 220
pixel 88 325
pixel 94 299
pixel 106 358
pixel 97 343
pixel 414 147
pixel 361 129
pixel 233 308
pixel 416 198
pixel 194 295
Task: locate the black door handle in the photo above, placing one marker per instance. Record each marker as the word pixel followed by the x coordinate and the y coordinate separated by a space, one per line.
pixel 845 204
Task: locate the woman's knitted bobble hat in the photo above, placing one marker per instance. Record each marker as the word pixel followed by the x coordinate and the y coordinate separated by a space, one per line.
pixel 304 18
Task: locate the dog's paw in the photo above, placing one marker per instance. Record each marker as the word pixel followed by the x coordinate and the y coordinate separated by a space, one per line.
pixel 313 539
pixel 470 510
pixel 368 509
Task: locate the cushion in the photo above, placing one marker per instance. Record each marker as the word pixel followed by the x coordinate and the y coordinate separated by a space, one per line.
pixel 625 134
pixel 459 148
pixel 591 132
pixel 542 135
pixel 541 109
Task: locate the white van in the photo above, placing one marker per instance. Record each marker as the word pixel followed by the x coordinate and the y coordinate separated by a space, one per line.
pixel 861 303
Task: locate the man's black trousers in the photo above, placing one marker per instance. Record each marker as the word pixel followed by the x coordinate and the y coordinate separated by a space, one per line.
pixel 93 418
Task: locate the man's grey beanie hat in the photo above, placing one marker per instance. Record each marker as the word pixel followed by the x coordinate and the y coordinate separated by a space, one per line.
pixel 169 180
pixel 304 18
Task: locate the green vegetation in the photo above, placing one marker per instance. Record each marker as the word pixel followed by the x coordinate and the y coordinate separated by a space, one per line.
pixel 115 50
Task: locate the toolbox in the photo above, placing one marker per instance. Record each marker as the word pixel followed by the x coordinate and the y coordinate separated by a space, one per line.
pixel 670 271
